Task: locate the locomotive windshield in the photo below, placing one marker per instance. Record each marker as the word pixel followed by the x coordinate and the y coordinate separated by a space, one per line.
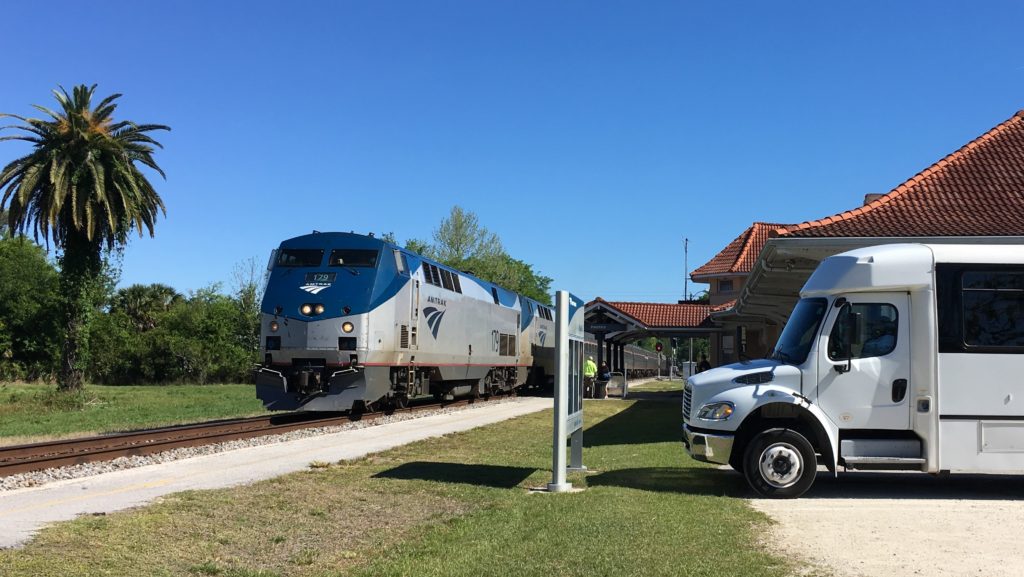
pixel 353 257
pixel 300 257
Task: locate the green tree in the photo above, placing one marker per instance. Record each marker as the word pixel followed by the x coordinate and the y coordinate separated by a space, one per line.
pixel 419 247
pixel 462 243
pixel 249 283
pixel 29 341
pixel 460 238
pixel 82 188
pixel 512 274
pixel 143 304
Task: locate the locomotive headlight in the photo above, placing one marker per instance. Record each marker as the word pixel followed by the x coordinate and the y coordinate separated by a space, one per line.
pixel 306 310
pixel 274 326
pixel 319 309
pixel 347 327
pixel 716 411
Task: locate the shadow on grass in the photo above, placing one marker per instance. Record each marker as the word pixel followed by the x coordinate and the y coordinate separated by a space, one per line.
pixel 641 423
pixel 500 477
pixel 674 480
pixel 642 395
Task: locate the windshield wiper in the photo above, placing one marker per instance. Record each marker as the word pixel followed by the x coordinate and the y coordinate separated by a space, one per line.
pixel 782 357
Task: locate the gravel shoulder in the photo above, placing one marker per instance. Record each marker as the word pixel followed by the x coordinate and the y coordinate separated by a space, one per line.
pixel 896 524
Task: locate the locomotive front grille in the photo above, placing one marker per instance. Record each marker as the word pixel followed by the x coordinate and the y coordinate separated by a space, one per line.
pixel 687 401
pixel 404 340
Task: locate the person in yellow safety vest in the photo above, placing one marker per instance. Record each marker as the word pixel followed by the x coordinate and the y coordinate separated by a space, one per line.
pixel 589 372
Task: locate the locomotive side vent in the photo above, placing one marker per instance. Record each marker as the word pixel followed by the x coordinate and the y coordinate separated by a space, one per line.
pixel 404 340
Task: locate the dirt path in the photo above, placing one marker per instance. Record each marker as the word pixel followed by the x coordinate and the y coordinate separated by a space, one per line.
pixel 889 524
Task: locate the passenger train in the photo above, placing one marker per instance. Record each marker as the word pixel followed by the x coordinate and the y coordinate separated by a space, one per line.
pixel 351 322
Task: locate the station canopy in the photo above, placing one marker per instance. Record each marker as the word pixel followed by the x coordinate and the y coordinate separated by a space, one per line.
pixel 625 322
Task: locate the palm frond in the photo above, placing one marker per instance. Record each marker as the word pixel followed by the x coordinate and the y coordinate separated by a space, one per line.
pixel 83 176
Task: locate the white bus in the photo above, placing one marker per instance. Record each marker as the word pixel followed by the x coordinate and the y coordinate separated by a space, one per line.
pixel 898 357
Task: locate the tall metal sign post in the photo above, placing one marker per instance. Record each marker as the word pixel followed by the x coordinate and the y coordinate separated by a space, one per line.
pixel 568 390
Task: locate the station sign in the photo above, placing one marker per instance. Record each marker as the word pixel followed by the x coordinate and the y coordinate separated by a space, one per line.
pixel 569 359
pixel 607 327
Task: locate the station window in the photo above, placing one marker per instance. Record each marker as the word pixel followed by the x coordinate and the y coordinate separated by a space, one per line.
pixel 725 286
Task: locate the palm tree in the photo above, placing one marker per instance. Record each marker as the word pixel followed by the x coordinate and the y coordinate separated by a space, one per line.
pixel 143 304
pixel 81 188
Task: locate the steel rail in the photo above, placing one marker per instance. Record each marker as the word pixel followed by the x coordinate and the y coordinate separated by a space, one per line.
pixel 51 454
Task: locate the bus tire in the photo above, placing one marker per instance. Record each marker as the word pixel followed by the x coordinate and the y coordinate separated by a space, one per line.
pixel 780 464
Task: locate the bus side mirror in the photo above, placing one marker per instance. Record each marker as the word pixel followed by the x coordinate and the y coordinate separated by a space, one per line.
pixel 851 334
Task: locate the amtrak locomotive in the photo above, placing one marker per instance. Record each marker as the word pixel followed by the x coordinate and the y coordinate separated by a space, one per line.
pixel 351 321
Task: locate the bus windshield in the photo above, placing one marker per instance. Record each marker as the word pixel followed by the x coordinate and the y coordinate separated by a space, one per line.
pixel 798 336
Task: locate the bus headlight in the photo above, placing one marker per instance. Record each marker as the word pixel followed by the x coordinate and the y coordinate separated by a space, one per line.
pixel 716 411
pixel 274 326
pixel 347 327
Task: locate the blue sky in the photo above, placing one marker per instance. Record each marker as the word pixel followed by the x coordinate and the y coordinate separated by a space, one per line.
pixel 591 136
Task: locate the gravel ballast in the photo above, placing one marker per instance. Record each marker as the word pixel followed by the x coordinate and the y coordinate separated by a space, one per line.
pixel 37 478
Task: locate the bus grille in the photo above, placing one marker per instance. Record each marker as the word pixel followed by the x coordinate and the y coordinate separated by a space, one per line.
pixel 687 401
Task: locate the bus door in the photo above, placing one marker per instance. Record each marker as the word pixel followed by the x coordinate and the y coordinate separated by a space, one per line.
pixel 870 390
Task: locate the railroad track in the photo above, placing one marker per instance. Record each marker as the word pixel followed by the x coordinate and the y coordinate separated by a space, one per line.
pixel 50 454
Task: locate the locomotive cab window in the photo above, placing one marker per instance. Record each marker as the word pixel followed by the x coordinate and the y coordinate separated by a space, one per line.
pixel 300 257
pixel 353 257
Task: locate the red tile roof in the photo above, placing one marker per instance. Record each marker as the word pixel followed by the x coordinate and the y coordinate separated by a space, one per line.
pixel 724 306
pixel 740 254
pixel 976 191
pixel 664 314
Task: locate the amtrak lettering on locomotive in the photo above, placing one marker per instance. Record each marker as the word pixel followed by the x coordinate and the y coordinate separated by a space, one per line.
pixel 349 321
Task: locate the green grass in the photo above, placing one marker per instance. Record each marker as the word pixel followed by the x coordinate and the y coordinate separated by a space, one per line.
pixel 457 505
pixel 34 412
pixel 656 386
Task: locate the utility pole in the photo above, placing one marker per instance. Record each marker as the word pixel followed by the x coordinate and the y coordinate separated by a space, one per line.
pixel 686 268
pixel 686 297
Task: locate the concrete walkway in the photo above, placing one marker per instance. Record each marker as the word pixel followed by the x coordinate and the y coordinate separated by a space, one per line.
pixel 25 511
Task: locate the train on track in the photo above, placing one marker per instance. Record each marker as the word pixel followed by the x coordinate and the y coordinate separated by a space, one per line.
pixel 352 322
pixel 639 362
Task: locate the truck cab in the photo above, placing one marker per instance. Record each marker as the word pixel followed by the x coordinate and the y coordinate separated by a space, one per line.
pixel 864 376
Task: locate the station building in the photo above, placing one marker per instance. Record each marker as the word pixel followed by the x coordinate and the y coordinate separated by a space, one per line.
pixel 974 195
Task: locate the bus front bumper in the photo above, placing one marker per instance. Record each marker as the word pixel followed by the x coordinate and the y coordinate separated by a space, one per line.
pixel 707 447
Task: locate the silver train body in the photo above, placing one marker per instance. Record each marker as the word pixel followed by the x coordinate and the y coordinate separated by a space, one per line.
pixel 638 362
pixel 351 322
